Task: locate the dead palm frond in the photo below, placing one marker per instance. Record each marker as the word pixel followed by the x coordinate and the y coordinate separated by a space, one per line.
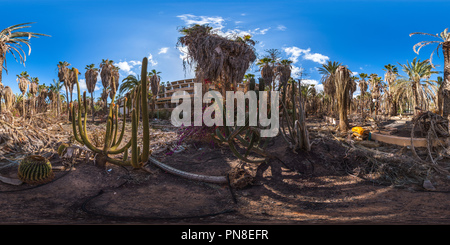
pixel 216 58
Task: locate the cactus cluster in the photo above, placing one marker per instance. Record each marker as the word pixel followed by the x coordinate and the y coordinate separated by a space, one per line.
pixel 249 137
pixel 35 170
pixel 112 139
pixel 297 135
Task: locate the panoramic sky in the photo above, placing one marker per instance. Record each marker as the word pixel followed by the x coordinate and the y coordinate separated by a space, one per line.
pixel 363 35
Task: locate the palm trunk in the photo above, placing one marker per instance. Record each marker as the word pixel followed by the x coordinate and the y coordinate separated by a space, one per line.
pixel 23 105
pixel 416 99
pixel 446 81
pixel 58 104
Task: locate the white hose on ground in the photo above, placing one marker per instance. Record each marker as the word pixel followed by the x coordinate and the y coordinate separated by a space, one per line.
pixel 187 175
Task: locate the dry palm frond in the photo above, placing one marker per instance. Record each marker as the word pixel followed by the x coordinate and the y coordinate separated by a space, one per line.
pixel 154 84
pixel 9 97
pixel 435 128
pixel 106 72
pixel 91 79
pixel 216 58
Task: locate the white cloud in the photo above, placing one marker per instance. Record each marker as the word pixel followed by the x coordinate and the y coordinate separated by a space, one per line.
pixel 281 27
pixel 163 50
pixel 215 22
pixel 124 66
pixel 218 24
pixel 151 61
pixel 354 73
pixel 319 87
pixel 306 54
pixel 135 62
pixel 183 50
pixel 128 66
pixel 295 71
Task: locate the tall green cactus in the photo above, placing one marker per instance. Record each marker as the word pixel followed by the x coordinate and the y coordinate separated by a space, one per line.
pixel 112 143
pixel 297 136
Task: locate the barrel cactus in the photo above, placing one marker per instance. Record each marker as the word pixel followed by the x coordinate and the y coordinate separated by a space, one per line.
pixel 35 170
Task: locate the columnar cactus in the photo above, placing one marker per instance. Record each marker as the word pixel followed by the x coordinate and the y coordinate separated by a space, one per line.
pixel 35 170
pixel 112 142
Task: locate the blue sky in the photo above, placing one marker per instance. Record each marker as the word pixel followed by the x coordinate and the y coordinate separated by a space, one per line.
pixel 363 35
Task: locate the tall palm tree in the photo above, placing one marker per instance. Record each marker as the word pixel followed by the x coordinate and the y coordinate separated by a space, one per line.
pixel 91 80
pixel 219 59
pixel 9 97
pixel 283 71
pixel 389 78
pixel 363 87
pixel 343 84
pixel 155 79
pixel 33 91
pixel 11 40
pixel 24 80
pixel 418 72
pixel 130 85
pixel 444 44
pixel 267 73
pixel 328 71
pixel 106 74
pixel 375 89
pixel 440 94
pixel 64 76
pixel 55 88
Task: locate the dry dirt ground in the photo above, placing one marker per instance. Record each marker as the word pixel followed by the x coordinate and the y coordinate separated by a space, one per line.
pixel 305 188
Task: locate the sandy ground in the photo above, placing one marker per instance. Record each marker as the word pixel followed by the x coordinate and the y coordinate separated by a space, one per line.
pixel 305 188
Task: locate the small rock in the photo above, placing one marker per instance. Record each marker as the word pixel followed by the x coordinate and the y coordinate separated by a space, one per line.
pixel 428 186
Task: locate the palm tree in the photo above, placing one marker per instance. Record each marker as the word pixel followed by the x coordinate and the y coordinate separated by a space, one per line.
pixel 221 60
pixel 91 79
pixel 440 94
pixel 55 88
pixel 375 89
pixel 328 71
pixel 129 84
pixel 154 85
pixel 363 87
pixel 9 97
pixel 389 78
pixel 24 80
pixel 33 91
pixel 417 71
pixel 64 76
pixel 106 74
pixel 343 84
pixel 283 71
pixel 11 40
pixel 267 73
pixel 444 44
